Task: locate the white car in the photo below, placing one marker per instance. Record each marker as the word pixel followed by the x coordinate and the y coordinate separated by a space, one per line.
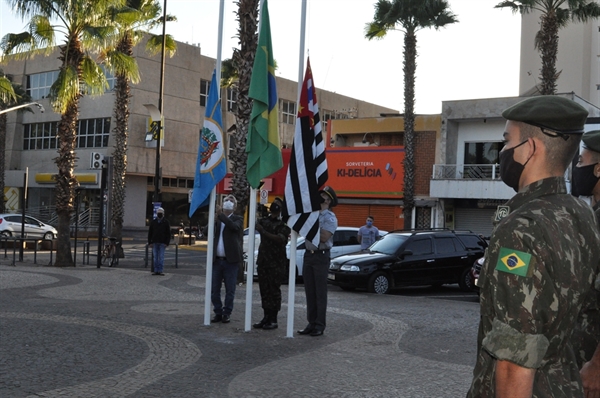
pixel 10 225
pixel 345 241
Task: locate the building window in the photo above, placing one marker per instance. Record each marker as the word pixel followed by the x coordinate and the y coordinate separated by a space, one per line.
pixel 93 133
pixel 110 78
pixel 40 136
pixel 288 111
pixel 232 96
pixel 38 84
pixel 478 155
pixel 204 90
pixel 327 116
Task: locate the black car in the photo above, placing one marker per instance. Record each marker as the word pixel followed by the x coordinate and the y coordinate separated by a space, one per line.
pixel 475 271
pixel 410 258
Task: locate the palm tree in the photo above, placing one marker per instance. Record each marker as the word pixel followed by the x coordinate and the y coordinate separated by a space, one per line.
pixel 131 19
pixel 243 60
pixel 86 26
pixel 555 14
pixel 11 94
pixel 409 16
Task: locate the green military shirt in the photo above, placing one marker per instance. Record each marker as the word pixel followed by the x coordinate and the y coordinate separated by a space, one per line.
pixel 543 257
pixel 586 335
pixel 271 254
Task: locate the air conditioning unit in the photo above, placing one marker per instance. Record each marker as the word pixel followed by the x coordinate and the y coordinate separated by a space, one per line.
pixel 96 160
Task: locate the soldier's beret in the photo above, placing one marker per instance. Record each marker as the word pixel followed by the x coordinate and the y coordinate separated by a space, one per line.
pixel 591 140
pixel 549 112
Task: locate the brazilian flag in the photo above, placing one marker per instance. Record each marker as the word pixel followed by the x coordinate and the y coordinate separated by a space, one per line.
pixel 262 145
pixel 513 261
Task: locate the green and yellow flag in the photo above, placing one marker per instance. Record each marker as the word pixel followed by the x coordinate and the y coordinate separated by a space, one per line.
pixel 262 145
pixel 513 261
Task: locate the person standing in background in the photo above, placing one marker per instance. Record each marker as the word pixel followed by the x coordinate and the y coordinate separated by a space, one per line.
pixel 159 236
pixel 368 234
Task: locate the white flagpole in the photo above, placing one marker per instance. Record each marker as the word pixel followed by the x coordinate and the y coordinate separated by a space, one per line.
pixel 250 258
pixel 209 256
pixel 251 234
pixel 294 238
pixel 213 193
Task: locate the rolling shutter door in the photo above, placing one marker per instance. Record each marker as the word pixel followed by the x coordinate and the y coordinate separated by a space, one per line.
pixel 351 215
pixel 476 220
pixel 354 215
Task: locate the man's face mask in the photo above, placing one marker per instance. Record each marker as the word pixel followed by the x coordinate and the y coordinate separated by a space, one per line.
pixel 584 180
pixel 159 215
pixel 369 223
pixel 228 205
pixel 510 169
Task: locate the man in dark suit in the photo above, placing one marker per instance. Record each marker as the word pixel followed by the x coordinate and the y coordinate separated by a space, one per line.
pixel 227 257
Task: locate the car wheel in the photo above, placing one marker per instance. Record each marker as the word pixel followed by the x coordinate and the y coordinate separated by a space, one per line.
pixel 379 283
pixel 464 282
pixel 5 234
pixel 48 236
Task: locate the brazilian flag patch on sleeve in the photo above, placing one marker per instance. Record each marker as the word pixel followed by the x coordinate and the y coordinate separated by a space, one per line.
pixel 513 261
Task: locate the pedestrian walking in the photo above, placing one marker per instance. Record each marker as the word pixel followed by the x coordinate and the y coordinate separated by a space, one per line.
pixel 159 236
pixel 316 266
pixel 543 257
pixel 368 234
pixel 271 263
pixel 227 257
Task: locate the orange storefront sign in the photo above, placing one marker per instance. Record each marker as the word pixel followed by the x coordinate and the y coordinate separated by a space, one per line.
pixel 366 172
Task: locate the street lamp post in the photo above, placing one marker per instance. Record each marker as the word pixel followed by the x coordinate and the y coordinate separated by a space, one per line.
pixel 14 108
pixel 157 173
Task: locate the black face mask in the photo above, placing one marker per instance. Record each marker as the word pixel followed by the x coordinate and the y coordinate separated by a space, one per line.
pixel 159 215
pixel 510 169
pixel 584 180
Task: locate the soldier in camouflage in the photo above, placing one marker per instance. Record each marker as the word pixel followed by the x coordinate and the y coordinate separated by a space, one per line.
pixel 271 263
pixel 543 257
pixel 586 337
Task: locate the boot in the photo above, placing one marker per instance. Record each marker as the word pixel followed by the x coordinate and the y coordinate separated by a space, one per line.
pixel 262 322
pixel 272 321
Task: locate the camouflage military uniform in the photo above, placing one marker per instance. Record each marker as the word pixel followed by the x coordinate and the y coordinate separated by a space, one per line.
pixel 271 263
pixel 541 262
pixel 586 335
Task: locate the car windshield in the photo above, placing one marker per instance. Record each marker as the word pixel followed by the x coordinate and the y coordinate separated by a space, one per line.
pixel 389 244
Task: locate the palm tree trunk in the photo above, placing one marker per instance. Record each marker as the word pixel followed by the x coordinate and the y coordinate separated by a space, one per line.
pixel 410 66
pixel 243 60
pixel 66 182
pixel 549 48
pixel 121 132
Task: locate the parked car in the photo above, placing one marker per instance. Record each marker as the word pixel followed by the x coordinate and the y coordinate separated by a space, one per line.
pixel 10 225
pixel 474 274
pixel 410 258
pixel 345 241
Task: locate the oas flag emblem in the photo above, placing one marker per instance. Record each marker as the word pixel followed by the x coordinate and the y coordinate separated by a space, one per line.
pixel 513 261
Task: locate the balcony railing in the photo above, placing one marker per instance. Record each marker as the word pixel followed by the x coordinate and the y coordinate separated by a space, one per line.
pixel 466 171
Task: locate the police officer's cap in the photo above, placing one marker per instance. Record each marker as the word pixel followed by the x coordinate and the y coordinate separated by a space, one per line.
pixel 331 193
pixel 550 112
pixel 160 210
pixel 591 140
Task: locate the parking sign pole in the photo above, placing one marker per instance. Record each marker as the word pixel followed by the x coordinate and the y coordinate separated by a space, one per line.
pixel 23 212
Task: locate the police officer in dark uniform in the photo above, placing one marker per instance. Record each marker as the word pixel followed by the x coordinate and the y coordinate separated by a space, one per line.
pixel 586 337
pixel 271 263
pixel 542 260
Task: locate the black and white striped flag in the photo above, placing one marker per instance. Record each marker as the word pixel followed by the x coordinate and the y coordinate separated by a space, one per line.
pixel 307 171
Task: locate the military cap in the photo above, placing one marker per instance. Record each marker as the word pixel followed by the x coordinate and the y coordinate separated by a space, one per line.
pixel 591 140
pixel 331 193
pixel 550 112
